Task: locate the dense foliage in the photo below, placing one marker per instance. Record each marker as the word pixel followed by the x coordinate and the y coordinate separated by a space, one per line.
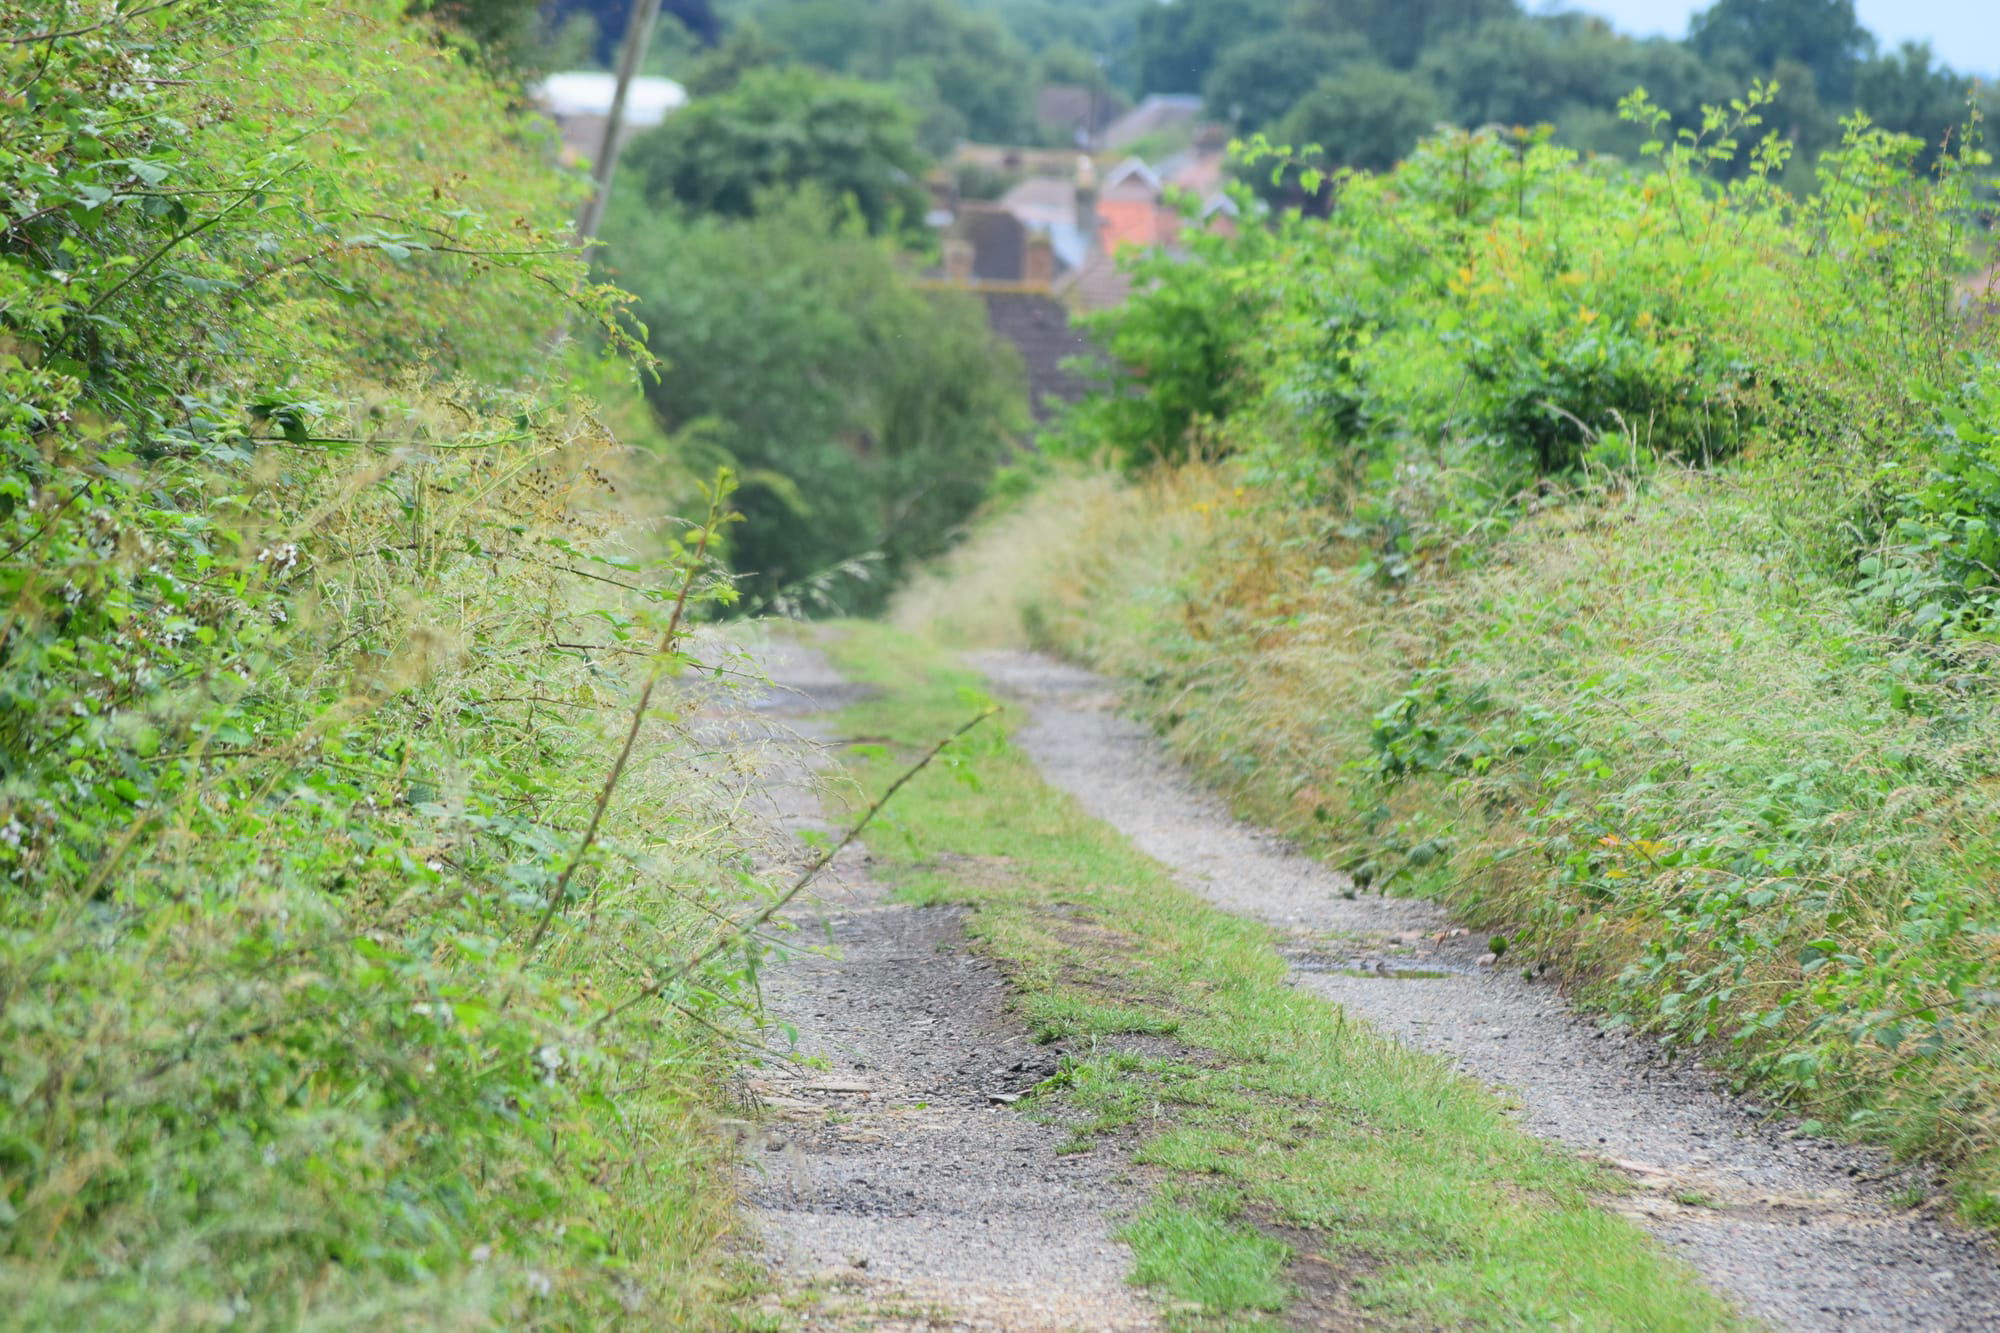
pixel 1373 78
pixel 317 617
pixel 778 130
pixel 772 231
pixel 1609 551
pixel 867 415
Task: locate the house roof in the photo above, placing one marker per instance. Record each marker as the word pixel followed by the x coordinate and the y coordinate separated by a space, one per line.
pixel 1038 326
pixel 1131 176
pixel 1159 111
pixel 1199 171
pixel 1042 199
pixel 1098 285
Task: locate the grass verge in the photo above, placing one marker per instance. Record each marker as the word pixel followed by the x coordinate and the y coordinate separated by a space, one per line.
pixel 1644 733
pixel 1304 1160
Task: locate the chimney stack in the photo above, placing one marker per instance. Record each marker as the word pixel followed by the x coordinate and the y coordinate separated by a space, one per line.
pixel 1038 261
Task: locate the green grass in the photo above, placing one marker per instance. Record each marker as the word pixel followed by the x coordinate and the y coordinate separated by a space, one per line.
pixel 1192 1250
pixel 1279 1117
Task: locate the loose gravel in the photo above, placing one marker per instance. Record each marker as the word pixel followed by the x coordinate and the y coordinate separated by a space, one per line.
pixel 893 1185
pixel 1800 1232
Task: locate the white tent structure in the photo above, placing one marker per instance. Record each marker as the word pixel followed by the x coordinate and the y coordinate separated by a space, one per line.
pixel 589 92
pixel 579 102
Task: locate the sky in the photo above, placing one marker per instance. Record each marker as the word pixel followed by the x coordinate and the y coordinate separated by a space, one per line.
pixel 1964 33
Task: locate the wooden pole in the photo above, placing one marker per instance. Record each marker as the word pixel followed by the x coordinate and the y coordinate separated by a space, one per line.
pixel 638 35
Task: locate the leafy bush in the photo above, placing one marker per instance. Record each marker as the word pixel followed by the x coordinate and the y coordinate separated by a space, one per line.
pixel 1177 363
pixel 1498 315
pixel 311 975
pixel 866 415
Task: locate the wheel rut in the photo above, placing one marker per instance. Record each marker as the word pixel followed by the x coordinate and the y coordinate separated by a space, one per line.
pixel 891 1182
pixel 1801 1232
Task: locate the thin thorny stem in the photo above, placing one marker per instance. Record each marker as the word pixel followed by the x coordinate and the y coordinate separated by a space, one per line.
pixel 798 886
pixel 611 779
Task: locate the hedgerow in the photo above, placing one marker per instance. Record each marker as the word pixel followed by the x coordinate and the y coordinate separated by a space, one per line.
pixel 318 1001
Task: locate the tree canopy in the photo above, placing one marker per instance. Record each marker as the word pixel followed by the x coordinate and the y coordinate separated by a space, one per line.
pixel 865 414
pixel 777 129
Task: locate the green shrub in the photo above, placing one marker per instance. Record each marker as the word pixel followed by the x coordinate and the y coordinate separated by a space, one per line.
pixel 866 414
pixel 306 669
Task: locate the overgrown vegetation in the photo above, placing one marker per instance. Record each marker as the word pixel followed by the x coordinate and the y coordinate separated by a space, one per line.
pixel 1606 551
pixel 337 982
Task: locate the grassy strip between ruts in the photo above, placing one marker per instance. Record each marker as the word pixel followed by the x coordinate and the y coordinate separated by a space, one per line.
pixel 1311 1167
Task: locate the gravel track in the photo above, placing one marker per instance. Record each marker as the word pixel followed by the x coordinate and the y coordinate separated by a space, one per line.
pixel 891 1183
pixel 1798 1231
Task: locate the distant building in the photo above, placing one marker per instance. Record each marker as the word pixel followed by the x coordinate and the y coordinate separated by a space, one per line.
pixel 1158 114
pixel 580 104
pixel 1079 114
pixel 1049 245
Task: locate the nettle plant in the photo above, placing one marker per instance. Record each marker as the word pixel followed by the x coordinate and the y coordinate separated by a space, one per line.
pixel 335 974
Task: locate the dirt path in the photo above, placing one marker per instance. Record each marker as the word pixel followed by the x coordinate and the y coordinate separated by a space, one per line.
pixel 1800 1232
pixel 893 1186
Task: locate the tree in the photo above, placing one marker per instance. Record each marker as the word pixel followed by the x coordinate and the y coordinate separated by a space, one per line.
pixel 1366 117
pixel 1399 30
pixel 829 33
pixel 1179 41
pixel 864 414
pixel 961 71
pixel 723 67
pixel 1905 91
pixel 1525 71
pixel 1105 29
pixel 971 62
pixel 778 129
pixel 1754 35
pixel 697 16
pixel 1070 65
pixel 1257 81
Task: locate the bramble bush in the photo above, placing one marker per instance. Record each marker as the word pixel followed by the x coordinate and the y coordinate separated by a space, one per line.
pixel 320 604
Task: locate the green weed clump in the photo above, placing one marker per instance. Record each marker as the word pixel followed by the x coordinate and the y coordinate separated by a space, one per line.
pixel 319 608
pixel 1607 552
